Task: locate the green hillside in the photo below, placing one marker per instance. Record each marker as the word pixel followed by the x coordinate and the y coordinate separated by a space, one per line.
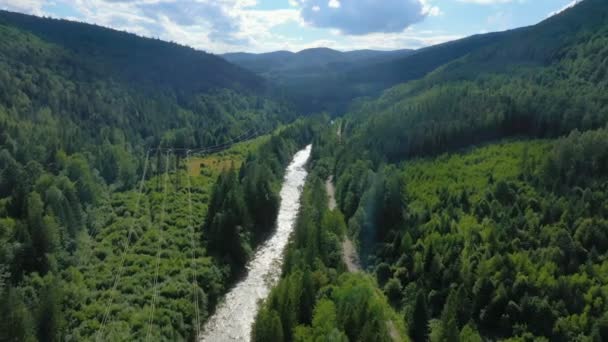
pixel 143 62
pixel 505 241
pixel 482 97
pixel 81 107
pixel 471 181
pixel 475 229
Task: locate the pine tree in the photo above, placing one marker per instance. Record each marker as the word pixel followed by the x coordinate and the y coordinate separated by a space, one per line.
pixel 419 329
pixel 449 319
pixel 267 326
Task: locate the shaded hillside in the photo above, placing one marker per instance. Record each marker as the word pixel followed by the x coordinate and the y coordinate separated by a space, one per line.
pixel 422 61
pixel 542 87
pixel 538 45
pixel 141 61
pixel 116 80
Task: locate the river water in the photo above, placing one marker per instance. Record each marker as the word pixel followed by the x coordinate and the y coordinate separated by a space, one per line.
pixel 234 316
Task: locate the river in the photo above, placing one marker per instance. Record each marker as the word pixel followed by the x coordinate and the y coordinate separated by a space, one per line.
pixel 233 319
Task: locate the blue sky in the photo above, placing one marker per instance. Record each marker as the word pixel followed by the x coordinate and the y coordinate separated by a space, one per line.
pixel 267 25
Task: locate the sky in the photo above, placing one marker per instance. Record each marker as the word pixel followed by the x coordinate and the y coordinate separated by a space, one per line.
pixel 221 26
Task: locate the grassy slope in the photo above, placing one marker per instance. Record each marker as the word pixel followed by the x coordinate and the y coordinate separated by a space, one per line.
pixel 468 171
pixel 216 163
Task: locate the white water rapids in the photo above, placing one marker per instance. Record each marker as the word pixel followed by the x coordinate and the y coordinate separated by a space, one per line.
pixel 234 316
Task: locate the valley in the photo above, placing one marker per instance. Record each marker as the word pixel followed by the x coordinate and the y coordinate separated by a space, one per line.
pixel 455 192
pixel 237 312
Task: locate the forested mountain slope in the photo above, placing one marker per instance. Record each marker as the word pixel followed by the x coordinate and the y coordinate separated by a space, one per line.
pixel 472 236
pixel 81 110
pixel 141 61
pixel 542 88
pixel 537 45
pixel 141 86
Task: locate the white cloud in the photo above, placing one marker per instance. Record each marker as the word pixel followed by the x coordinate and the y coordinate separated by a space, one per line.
pixel 362 17
pixel 568 6
pixel 236 25
pixel 429 9
pixel 24 6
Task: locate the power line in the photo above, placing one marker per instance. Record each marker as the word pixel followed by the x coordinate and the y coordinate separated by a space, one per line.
pixel 160 245
pixel 207 147
pixel 248 135
pixel 197 319
pixel 224 146
pixel 126 248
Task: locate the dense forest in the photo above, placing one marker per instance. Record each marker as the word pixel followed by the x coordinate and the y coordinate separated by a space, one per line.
pixel 243 208
pixel 503 241
pixel 472 227
pixel 87 198
pixel 475 192
pixel 317 300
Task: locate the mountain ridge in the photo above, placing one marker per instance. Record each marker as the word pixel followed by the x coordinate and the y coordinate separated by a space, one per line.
pixel 110 51
pixel 276 63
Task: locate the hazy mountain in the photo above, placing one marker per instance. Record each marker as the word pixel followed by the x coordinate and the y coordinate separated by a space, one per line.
pixel 283 64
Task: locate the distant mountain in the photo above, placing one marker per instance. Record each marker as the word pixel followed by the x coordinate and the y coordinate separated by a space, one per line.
pixel 314 79
pixel 282 64
pixel 371 72
pixel 328 80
